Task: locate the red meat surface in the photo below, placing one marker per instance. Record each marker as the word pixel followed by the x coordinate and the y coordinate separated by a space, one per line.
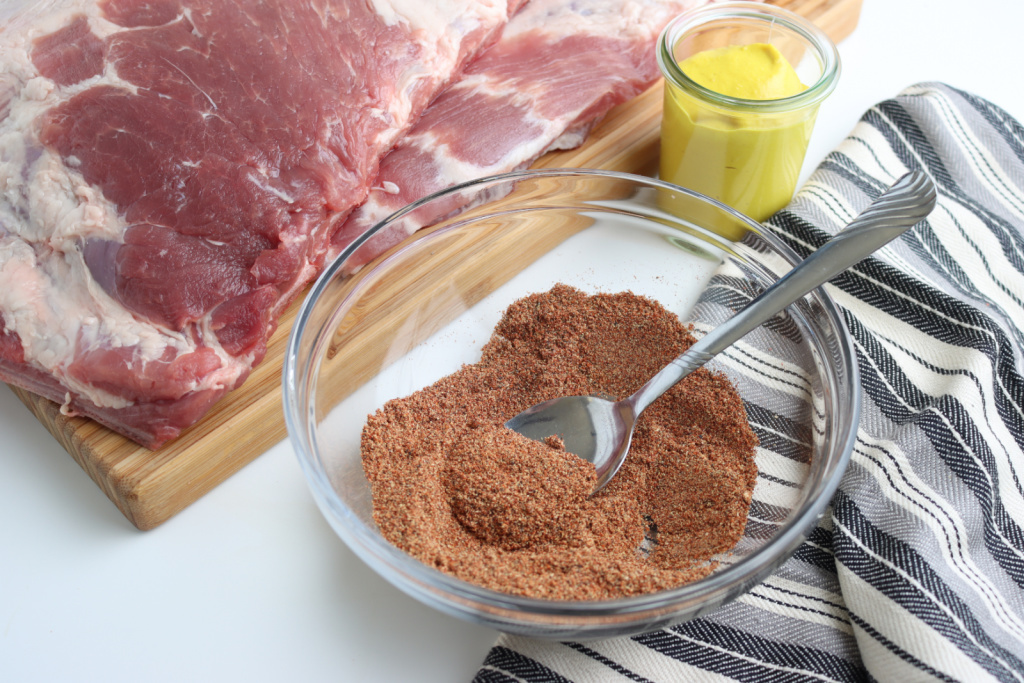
pixel 557 70
pixel 173 169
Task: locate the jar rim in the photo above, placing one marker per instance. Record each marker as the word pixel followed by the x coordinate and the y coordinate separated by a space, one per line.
pixel 815 37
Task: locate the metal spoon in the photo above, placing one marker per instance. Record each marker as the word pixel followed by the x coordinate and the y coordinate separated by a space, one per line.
pixel 600 430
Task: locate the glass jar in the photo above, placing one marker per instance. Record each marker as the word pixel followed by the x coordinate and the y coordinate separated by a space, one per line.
pixel 745 153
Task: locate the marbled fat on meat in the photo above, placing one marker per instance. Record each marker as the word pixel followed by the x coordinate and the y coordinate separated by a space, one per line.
pixel 171 172
pixel 557 70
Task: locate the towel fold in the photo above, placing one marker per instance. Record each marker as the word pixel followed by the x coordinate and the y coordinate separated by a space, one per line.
pixel 916 571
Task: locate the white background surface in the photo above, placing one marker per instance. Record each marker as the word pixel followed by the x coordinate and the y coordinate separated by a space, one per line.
pixel 250 583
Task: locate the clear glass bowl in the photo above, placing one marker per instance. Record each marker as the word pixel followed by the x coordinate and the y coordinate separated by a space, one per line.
pixel 429 305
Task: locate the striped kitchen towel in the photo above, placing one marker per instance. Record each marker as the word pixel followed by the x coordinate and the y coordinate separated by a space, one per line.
pixel 916 571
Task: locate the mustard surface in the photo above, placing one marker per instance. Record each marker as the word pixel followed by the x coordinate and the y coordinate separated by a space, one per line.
pixel 751 72
pixel 746 159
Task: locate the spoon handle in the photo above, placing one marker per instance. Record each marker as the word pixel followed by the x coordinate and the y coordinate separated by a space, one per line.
pixel 899 208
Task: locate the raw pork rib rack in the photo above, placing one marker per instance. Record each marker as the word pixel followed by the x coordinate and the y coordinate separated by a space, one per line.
pixel 171 173
pixel 557 70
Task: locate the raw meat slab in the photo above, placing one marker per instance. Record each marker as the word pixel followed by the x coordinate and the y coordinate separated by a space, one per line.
pixel 559 67
pixel 151 486
pixel 172 170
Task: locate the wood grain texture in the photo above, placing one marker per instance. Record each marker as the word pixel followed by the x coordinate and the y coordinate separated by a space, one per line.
pixel 149 487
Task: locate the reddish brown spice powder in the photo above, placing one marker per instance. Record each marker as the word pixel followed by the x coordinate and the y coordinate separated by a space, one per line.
pixel 455 489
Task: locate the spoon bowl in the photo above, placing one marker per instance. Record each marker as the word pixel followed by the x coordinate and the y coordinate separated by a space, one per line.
pixel 600 430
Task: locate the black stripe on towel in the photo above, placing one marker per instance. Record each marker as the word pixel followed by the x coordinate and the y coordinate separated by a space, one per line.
pixel 745 656
pixel 517 666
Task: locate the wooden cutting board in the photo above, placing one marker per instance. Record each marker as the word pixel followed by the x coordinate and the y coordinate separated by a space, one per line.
pixel 149 487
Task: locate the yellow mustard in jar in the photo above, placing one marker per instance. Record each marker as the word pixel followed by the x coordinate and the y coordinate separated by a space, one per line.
pixel 750 72
pixel 746 157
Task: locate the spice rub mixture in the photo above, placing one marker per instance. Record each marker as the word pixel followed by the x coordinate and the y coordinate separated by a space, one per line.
pixel 460 492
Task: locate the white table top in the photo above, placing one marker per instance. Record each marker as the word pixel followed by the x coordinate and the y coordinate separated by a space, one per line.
pixel 250 583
